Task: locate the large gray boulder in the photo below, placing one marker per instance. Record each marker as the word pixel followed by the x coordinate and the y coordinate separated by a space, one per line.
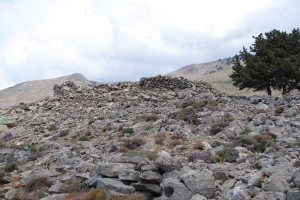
pixel 201 183
pixel 108 185
pixel 151 177
pixel 270 196
pixel 112 169
pixel 148 187
pixel 277 184
pixel 166 162
pixel 173 189
pixel 128 175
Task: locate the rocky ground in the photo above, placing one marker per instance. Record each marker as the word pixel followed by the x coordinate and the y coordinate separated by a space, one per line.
pixel 159 138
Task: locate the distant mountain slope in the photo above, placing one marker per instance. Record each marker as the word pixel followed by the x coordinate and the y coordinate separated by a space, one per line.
pixel 34 90
pixel 216 73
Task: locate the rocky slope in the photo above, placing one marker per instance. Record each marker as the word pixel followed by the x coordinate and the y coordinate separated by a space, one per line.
pixel 165 138
pixel 35 90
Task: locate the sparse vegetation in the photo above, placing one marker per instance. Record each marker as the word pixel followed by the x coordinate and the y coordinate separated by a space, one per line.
pixel 174 143
pixel 35 188
pixel 160 138
pixel 11 166
pixel 279 110
pixel 132 144
pixel 228 154
pixel 196 155
pixel 84 138
pixel 135 196
pixel 128 130
pixel 198 145
pixel 72 185
pixel 52 128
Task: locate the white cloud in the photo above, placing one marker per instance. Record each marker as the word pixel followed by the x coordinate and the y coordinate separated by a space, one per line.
pixel 126 39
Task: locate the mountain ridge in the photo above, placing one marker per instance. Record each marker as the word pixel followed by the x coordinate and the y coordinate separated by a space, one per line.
pixel 35 90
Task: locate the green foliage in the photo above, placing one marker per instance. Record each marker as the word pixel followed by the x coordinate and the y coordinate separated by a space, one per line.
pixel 187 114
pixel 199 104
pixel 84 138
pixel 218 127
pixel 297 143
pixel 245 131
pixel 273 62
pixel 187 104
pixel 128 130
pixel 10 166
pixel 142 154
pixel 228 154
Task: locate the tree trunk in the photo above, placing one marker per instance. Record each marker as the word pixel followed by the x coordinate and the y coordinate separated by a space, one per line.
pixel 284 90
pixel 269 91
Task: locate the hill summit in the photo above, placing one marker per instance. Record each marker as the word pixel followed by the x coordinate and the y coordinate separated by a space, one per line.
pixel 35 90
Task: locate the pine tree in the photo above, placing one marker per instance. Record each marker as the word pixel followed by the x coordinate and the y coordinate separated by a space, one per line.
pixel 273 62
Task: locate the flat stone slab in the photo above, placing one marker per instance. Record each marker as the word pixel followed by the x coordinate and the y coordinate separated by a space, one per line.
pixel 108 184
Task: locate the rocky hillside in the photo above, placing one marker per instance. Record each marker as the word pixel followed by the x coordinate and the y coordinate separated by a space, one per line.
pixel 35 90
pixel 159 138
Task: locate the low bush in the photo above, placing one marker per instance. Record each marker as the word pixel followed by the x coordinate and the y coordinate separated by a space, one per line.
pixel 264 136
pixel 297 143
pixel 35 188
pixel 84 138
pixel 11 166
pixel 279 110
pixel 228 154
pixel 187 114
pixel 142 154
pixel 128 130
pixel 196 155
pixel 198 105
pixel 199 145
pixel 133 143
pixel 187 104
pixel 52 128
pixel 245 131
pixel 218 127
pixel 152 117
pixel 160 138
pixel 72 185
pixel 174 143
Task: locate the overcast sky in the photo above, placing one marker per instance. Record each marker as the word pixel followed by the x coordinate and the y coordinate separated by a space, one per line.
pixel 119 40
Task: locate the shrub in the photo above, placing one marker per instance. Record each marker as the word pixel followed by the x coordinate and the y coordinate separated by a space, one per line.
pixel 188 114
pixel 72 185
pixel 245 131
pixel 35 188
pixel 196 155
pixel 228 154
pixel 2 144
pixel 142 154
pixel 199 145
pixel 198 105
pixel 63 133
pixel 258 111
pixel 297 143
pixel 11 166
pixel 216 159
pixel 159 138
pixel 52 128
pixel 128 130
pixel 84 138
pixel 279 110
pixel 133 143
pixel 174 143
pixel 264 136
pixel 88 132
pixel 152 117
pixel 187 104
pixel 210 103
pixel 55 138
pixel 218 127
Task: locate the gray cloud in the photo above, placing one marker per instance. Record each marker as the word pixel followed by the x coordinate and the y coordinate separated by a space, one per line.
pixel 126 40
